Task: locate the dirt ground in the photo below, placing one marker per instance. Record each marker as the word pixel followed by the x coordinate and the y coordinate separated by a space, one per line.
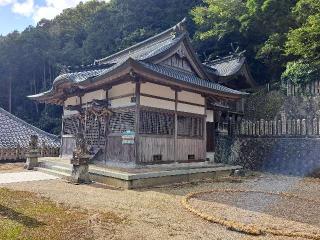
pixel 11 167
pixel 157 213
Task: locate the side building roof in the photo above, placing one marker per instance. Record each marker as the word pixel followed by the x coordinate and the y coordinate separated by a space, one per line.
pixel 228 68
pixel 14 131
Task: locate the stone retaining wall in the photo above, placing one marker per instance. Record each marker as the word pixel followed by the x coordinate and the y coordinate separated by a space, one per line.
pixel 296 156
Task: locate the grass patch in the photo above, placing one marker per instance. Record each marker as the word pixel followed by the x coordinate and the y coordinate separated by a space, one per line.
pixel 24 215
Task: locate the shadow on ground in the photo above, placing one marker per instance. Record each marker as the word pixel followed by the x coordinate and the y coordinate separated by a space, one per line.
pixel 19 217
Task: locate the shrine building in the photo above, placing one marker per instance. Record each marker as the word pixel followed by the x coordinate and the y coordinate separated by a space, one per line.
pixel 161 103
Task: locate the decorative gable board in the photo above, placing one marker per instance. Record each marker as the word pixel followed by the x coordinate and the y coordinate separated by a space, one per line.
pixel 181 59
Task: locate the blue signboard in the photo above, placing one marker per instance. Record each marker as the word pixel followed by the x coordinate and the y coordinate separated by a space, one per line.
pixel 128 137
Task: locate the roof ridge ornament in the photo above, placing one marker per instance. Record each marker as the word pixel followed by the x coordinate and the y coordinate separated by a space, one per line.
pixel 180 27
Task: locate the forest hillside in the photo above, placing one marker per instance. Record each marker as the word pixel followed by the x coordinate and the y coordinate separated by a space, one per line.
pixel 281 39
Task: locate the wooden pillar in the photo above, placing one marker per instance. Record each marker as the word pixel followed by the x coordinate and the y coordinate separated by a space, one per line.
pixel 106 125
pixel 205 128
pixel 175 124
pixel 62 126
pixel 137 119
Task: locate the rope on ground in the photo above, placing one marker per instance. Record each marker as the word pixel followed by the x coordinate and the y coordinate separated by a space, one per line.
pixel 251 229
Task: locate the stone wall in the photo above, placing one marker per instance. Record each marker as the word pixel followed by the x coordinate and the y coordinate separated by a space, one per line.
pixel 296 156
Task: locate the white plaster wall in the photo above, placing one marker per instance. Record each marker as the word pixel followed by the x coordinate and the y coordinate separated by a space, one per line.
pixel 68 112
pixel 122 89
pixel 157 103
pixel 121 102
pixel 72 101
pixel 190 97
pixel 99 95
pixel 157 90
pixel 210 116
pixel 182 107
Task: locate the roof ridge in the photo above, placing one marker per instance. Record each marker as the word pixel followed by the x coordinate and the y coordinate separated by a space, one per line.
pixel 38 130
pixel 178 28
pixel 224 58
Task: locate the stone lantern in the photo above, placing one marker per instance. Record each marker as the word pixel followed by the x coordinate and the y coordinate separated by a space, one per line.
pixel 80 161
pixel 33 153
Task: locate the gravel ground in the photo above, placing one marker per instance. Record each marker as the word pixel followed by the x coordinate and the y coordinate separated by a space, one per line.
pixel 156 213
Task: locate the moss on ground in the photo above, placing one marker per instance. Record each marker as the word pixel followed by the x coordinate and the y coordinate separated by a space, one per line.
pixel 24 215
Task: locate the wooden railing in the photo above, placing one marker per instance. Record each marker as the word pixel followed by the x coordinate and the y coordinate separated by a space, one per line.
pixel 311 88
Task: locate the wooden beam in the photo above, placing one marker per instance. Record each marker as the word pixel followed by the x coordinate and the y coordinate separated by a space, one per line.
pixel 169 99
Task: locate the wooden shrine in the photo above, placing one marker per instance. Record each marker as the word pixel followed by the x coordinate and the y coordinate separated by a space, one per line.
pixel 159 98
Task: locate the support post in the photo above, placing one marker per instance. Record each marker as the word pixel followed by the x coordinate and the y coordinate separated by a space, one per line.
pixel 205 128
pixel 175 124
pixel 137 118
pixel 80 158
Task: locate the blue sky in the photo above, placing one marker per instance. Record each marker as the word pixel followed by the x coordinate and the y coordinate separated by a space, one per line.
pixel 10 21
pixel 18 14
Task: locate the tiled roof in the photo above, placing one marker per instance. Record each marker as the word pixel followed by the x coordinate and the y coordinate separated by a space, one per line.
pixel 149 47
pixel 148 51
pixel 75 77
pixel 227 66
pixel 14 131
pixel 189 78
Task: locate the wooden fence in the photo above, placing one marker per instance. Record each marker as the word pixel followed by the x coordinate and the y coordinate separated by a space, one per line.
pixel 311 88
pixel 277 127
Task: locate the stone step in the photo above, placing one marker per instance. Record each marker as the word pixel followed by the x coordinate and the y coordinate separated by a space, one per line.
pixel 53 172
pixel 67 170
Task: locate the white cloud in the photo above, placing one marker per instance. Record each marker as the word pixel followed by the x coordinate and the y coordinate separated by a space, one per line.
pixel 52 8
pixel 48 10
pixel 6 2
pixel 25 8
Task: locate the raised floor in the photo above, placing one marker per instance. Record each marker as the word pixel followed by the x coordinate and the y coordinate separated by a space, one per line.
pixel 139 177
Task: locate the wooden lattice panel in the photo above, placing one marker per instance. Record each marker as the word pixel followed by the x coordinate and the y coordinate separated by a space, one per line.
pixel 190 126
pixel 157 123
pixel 70 125
pixel 121 120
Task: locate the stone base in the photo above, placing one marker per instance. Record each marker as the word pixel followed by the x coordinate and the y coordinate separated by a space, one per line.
pixel 80 174
pixel 32 162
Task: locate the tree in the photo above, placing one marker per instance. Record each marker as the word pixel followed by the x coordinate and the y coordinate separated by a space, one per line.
pixel 30 60
pixel 303 44
pixel 258 26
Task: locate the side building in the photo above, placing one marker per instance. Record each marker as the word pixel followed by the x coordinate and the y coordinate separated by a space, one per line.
pixel 15 137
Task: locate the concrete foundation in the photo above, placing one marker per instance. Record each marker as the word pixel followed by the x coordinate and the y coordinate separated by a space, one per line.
pixel 141 177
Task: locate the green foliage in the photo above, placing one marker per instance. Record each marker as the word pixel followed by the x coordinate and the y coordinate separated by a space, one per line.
pixel 218 18
pixel 282 38
pixel 30 60
pixel 303 43
pixel 299 72
pixel 258 26
pixel 305 40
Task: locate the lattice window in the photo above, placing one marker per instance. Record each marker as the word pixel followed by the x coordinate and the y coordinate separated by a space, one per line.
pixel 122 120
pixel 70 125
pixel 157 123
pixel 190 126
pixel 95 130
